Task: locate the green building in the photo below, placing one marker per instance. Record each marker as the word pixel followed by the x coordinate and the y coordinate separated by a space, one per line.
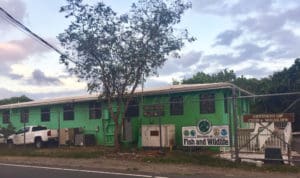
pixel 176 105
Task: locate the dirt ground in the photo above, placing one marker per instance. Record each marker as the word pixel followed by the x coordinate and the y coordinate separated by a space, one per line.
pixel 141 167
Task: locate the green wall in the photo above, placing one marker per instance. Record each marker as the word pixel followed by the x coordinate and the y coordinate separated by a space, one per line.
pixel 81 119
pixel 191 114
pixel 103 128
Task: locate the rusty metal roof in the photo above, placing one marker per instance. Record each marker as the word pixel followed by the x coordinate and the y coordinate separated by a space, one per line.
pixel 146 92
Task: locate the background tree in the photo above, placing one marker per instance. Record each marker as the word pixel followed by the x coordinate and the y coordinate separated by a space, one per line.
pixel 113 53
pixel 201 77
pixel 18 99
pixel 287 80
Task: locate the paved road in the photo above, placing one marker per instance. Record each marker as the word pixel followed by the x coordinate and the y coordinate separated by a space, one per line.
pixel 27 171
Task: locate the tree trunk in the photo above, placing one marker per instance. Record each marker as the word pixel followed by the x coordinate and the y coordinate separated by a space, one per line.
pixel 116 136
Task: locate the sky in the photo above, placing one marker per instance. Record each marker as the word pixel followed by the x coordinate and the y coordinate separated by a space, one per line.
pixel 254 38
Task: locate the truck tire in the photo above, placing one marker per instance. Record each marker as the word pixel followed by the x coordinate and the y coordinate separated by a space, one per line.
pixel 10 144
pixel 38 143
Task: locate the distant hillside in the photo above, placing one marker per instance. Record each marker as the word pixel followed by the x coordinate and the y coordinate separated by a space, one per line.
pixel 12 100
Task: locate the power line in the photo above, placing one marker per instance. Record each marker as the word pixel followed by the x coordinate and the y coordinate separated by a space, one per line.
pixel 8 20
pixel 17 23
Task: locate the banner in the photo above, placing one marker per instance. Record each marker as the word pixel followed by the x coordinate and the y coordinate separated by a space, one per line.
pixel 283 117
pixel 205 135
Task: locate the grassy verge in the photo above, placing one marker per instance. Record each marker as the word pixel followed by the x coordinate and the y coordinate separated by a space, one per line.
pixel 65 152
pixel 209 159
pixel 204 158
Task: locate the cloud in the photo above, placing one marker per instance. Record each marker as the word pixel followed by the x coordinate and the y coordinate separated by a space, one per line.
pixel 5 70
pixel 251 51
pixel 152 83
pixel 190 58
pixel 272 29
pixel 227 37
pixel 224 59
pixel 253 72
pixel 39 78
pixel 16 8
pixel 266 30
pixel 38 96
pixel 14 76
pixel 187 60
pixel 17 50
pixel 232 8
pixel 263 23
pixel 4 93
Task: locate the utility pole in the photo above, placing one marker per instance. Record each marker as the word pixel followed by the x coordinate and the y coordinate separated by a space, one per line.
pixel 235 125
pixel 160 136
pixel 24 132
pixel 59 129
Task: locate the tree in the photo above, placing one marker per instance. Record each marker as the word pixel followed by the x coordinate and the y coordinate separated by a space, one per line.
pixel 287 80
pixel 113 53
pixel 201 77
pixel 6 131
pixel 12 100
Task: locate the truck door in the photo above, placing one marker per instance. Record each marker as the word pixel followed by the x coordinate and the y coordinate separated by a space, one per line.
pixel 29 135
pixel 19 138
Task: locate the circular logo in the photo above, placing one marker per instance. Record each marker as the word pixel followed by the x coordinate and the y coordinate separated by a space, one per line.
pixel 186 133
pixel 204 126
pixel 193 133
pixel 224 132
pixel 216 131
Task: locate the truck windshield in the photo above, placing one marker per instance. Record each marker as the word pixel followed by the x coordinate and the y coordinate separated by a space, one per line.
pixel 23 130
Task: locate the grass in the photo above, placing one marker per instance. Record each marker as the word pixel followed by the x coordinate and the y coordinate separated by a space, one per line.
pixel 64 152
pixel 179 157
pixel 205 158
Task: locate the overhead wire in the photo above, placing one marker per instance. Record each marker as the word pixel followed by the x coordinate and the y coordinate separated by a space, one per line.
pixel 5 18
pixel 8 17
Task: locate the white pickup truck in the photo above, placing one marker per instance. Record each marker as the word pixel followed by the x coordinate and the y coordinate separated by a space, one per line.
pixel 37 135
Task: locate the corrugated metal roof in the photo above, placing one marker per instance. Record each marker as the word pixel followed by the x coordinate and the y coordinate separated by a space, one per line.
pixel 152 91
pixel 187 88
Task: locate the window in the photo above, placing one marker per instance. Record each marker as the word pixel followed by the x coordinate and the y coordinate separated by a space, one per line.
pixel 23 130
pixel 68 112
pixel 38 128
pixel 207 103
pixel 154 133
pixel 176 105
pixel 5 117
pixel 154 110
pixel 133 108
pixel 95 110
pixel 24 115
pixel 45 114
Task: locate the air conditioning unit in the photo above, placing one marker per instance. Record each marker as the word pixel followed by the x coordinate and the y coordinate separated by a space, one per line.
pixel 151 135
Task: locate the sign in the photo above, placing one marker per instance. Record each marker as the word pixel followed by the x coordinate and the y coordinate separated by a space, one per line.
pixel 284 117
pixel 204 134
